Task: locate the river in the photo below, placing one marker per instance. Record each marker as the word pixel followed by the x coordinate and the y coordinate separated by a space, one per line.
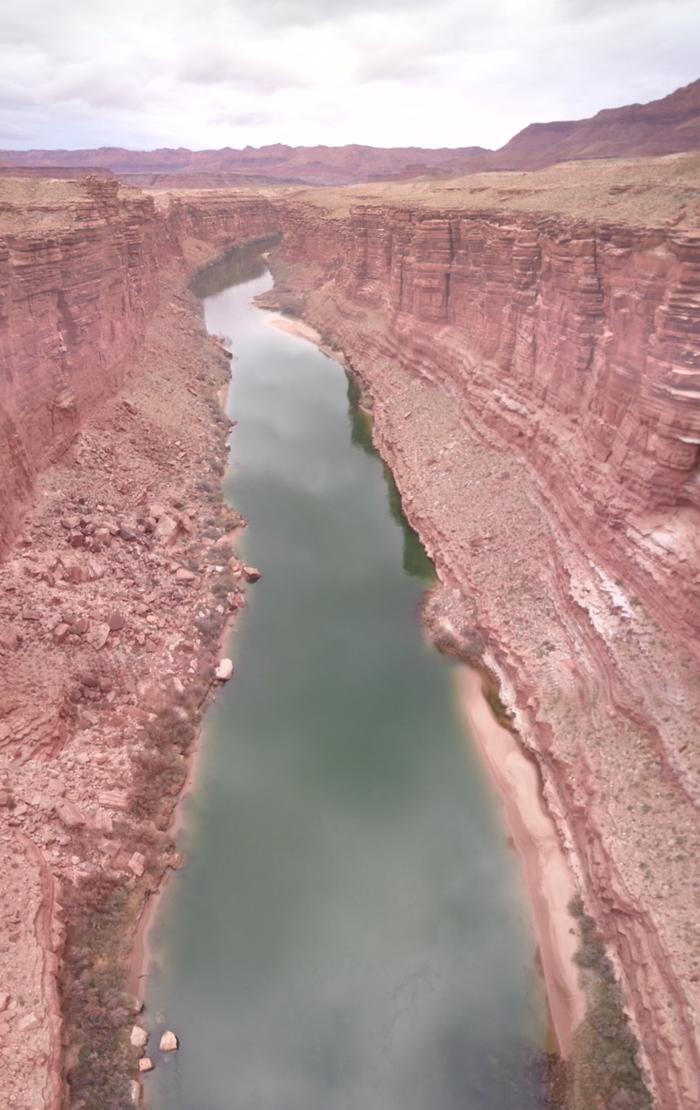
pixel 350 931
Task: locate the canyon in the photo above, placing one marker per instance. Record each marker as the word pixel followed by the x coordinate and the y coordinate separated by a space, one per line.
pixel 528 346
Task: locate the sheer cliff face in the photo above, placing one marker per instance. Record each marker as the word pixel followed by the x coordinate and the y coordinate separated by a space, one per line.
pixel 78 282
pixel 535 378
pixel 535 385
pixel 577 344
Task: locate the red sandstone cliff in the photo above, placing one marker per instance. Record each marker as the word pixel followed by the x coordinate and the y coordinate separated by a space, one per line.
pixel 78 282
pixel 530 351
pixel 534 383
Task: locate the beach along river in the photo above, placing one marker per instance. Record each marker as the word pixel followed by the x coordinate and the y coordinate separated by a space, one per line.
pixel 350 931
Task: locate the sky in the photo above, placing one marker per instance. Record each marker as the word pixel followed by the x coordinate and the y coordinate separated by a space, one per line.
pixel 145 74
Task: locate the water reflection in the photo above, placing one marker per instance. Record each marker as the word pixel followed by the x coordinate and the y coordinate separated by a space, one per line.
pixel 234 267
pixel 349 932
pixel 415 559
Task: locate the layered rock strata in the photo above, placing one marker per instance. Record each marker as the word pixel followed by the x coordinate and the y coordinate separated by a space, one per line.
pixel 529 347
pixel 114 594
pixel 534 385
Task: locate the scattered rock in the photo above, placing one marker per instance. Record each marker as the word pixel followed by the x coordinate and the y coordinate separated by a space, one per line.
pixel 114 799
pixel 135 1092
pixel 224 670
pixel 116 621
pixel 169 1042
pixel 102 822
pixel 98 635
pixel 184 577
pixel 251 574
pixel 9 639
pixel 137 864
pixel 166 528
pixel 69 814
pixel 60 632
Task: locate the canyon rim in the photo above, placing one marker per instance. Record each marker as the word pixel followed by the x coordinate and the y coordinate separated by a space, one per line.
pixel 522 328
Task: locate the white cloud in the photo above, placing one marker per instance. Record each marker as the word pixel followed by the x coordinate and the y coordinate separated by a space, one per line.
pixel 388 72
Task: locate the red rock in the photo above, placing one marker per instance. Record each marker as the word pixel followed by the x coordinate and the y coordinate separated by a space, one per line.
pixel 69 814
pixel 60 632
pixel 184 577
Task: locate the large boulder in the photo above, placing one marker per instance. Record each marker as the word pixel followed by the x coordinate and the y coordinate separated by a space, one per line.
pixel 169 1042
pixel 224 670
pixel 139 1037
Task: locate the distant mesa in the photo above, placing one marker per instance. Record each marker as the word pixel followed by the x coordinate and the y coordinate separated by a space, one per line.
pixel 667 126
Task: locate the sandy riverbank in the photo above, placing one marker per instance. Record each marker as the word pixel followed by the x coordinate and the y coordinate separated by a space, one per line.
pixel 294 327
pixel 550 884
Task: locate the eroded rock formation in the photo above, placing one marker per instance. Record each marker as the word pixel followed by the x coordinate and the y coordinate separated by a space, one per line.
pixel 534 384
pixel 529 348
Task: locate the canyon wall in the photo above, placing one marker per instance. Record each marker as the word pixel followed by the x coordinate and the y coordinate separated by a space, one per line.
pixel 576 343
pixel 79 281
pixel 534 382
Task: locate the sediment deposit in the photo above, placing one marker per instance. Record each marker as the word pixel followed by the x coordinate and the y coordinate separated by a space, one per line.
pixel 528 345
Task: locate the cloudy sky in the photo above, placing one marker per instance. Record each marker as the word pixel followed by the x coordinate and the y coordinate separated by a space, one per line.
pixel 147 73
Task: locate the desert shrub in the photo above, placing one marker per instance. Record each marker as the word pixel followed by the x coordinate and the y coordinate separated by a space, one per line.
pixel 604 1069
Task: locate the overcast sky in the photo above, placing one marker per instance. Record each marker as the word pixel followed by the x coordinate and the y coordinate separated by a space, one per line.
pixel 147 73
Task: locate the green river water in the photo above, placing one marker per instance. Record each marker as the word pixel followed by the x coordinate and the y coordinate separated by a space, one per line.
pixel 350 931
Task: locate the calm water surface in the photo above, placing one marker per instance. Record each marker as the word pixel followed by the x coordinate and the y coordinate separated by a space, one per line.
pixel 350 932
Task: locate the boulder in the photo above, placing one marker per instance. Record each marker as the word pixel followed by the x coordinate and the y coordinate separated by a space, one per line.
pixel 137 864
pixel 166 528
pixel 98 635
pixel 69 814
pixel 169 1042
pixel 224 670
pixel 251 574
pixel 139 1036
pixel 145 1064
pixel 184 577
pixel 9 639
